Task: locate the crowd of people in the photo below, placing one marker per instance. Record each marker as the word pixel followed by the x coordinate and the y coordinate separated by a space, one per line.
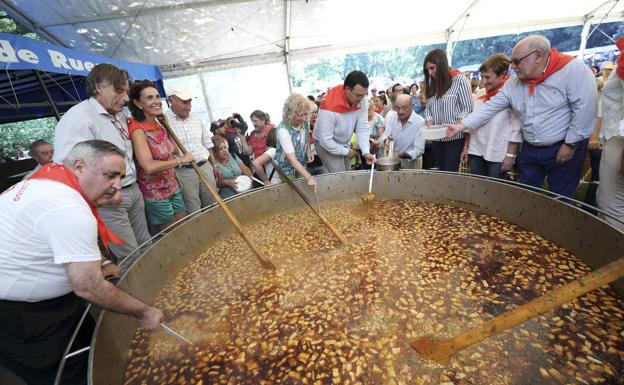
pixel 115 179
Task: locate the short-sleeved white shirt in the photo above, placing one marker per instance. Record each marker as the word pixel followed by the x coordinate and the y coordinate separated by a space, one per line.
pixel 194 136
pixel 270 151
pixel 45 224
pixel 285 140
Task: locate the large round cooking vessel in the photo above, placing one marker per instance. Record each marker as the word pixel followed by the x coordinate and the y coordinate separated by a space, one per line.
pixel 588 237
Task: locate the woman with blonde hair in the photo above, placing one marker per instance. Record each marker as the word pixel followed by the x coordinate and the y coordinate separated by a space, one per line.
pixel 293 147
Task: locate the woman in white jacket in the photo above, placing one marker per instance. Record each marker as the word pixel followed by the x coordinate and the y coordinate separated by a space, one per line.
pixel 492 148
pixel 611 188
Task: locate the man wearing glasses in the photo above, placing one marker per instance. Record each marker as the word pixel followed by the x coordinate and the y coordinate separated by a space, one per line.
pixel 556 99
pixel 102 117
pixel 344 110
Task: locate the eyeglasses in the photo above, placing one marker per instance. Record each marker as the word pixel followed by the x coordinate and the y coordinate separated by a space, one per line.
pixel 517 62
pixel 120 128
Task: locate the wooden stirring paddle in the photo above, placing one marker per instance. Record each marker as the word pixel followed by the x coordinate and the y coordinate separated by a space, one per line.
pixel 441 350
pixel 266 263
pixel 331 227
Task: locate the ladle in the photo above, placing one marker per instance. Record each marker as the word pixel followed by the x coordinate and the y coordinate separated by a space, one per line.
pixel 254 247
pixel 331 227
pixel 441 350
pixel 370 196
pixel 172 332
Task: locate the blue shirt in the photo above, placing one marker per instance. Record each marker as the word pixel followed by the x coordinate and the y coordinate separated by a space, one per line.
pixel 563 107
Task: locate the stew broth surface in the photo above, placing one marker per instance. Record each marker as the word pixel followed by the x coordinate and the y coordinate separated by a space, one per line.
pixel 332 314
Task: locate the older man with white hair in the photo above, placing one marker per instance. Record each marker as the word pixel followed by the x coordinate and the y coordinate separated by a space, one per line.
pixel 404 128
pixel 556 99
pixel 196 139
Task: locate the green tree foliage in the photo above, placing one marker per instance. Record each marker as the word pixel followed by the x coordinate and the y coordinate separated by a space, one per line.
pixel 28 131
pixel 405 64
pixel 25 133
pixel 7 25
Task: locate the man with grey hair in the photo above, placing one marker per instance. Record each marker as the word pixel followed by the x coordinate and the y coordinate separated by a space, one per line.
pixel 42 152
pixel 196 139
pixel 102 117
pixel 51 260
pixel 404 129
pixel 556 99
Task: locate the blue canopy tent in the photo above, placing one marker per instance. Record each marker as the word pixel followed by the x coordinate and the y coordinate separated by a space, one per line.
pixel 41 80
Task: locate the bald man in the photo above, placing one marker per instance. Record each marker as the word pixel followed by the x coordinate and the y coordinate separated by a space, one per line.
pixel 556 99
pixel 404 128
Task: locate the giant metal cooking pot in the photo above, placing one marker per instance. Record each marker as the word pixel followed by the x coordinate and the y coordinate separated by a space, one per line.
pixel 590 238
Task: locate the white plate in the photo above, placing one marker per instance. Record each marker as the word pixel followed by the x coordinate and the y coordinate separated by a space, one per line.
pixel 243 182
pixel 433 132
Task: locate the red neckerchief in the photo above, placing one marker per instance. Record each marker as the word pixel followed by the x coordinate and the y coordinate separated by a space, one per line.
pixel 620 60
pixel 336 101
pixel 454 72
pixel 61 174
pixel 557 61
pixel 134 125
pixel 490 94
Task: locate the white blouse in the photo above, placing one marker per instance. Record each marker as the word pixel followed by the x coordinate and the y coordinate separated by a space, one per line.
pixel 490 140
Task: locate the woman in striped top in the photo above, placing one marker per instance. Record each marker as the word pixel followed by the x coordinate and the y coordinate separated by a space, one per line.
pixel 449 99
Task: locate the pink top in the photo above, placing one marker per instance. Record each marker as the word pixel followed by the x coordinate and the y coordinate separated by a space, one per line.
pixel 163 184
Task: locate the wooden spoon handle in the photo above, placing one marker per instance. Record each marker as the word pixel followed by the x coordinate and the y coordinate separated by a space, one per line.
pixel 331 227
pixel 442 350
pixel 252 245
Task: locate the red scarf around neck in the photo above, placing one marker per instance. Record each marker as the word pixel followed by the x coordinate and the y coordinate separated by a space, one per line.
pixel 490 94
pixel 620 60
pixel 557 61
pixel 454 72
pixel 336 101
pixel 61 174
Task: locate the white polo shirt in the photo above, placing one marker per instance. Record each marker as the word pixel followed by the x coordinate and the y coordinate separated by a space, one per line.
pixel 45 224
pixel 89 120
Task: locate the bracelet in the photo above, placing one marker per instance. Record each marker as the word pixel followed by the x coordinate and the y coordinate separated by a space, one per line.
pixel 106 262
pixel 310 177
pixel 510 155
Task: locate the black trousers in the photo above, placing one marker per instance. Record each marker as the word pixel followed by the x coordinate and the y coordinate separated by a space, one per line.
pixel 447 154
pixel 34 335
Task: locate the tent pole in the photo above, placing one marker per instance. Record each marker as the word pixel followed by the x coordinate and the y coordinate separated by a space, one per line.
pixel 287 14
pixel 584 37
pixel 449 47
pixel 50 100
pixel 206 102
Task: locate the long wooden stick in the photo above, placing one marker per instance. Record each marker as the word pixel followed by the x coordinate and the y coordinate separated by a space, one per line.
pixel 254 247
pixel 333 229
pixel 442 350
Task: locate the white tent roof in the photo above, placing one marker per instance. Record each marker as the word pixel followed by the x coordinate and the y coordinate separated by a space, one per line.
pixel 182 35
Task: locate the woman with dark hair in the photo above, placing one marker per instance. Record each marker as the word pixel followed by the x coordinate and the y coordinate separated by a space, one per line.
pixel 231 168
pixel 449 99
pixel 153 150
pixel 492 148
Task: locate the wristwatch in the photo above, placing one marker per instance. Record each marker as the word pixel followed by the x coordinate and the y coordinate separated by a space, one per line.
pixel 573 145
